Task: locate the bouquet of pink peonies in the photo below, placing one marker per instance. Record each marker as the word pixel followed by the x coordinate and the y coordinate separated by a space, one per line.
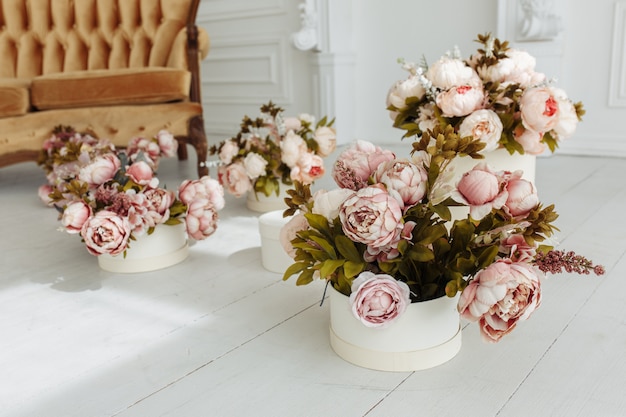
pixel 495 96
pixel 386 237
pixel 273 149
pixel 110 197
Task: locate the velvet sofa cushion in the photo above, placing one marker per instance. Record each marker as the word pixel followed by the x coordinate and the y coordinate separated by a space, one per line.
pixel 110 87
pixel 14 97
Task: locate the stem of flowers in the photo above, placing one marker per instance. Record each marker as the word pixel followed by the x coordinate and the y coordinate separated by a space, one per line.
pixel 556 262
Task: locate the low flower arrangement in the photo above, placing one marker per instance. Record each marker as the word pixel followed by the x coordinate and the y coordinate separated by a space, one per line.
pixel 495 95
pixel 272 150
pixel 110 197
pixel 386 237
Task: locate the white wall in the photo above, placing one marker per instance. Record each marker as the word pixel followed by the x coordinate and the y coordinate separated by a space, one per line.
pixel 387 30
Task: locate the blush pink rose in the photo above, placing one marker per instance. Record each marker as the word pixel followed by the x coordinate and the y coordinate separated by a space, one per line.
pixel 235 179
pixel 409 180
pixel 201 219
pixel 75 214
pixel 484 125
pixel 378 300
pixel 356 164
pixel 141 173
pixel 522 197
pixel 460 101
pixel 326 138
pixel 540 109
pixel 309 168
pixel 288 232
pixel 106 232
pixel 44 192
pixel 500 296
pixel 482 190
pixel 372 217
pixel 102 169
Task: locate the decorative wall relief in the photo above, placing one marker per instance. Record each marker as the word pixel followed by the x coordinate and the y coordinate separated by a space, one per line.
pixel 308 36
pixel 537 20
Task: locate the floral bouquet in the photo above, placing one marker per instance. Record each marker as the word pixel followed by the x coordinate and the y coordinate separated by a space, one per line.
pixel 109 197
pixel 273 149
pixel 495 96
pixel 385 237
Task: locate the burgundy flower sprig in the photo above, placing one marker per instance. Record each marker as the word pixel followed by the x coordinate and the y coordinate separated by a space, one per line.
pixel 557 261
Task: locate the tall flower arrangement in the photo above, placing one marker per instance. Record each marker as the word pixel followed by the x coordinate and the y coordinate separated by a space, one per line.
pixel 385 237
pixel 110 197
pixel 272 149
pixel 495 95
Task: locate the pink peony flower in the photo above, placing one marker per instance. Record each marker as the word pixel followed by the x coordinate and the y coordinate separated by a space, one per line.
pixel 44 194
pixel 326 138
pixel 159 203
pixel 235 179
pixel 517 249
pixel 568 119
pixel 106 232
pixel 204 187
pixel 167 143
pixel 482 190
pixel 447 73
pixel 406 178
pixel 500 296
pixel 255 165
pixel 540 109
pixel 289 231
pixel 354 166
pixel 101 170
pixel 530 140
pixel 378 300
pixel 201 219
pixel 292 148
pixel 308 168
pixel 75 214
pixel 228 151
pixel 292 123
pixel 141 173
pixel 522 197
pixel 401 90
pixel 484 125
pixel 327 203
pixel 461 100
pixel 372 217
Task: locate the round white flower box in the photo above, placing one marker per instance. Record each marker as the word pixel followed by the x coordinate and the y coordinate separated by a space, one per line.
pixel 428 334
pixel 273 256
pixel 166 246
pixel 262 203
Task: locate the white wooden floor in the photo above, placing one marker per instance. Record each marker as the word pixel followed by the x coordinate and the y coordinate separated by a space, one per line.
pixel 219 336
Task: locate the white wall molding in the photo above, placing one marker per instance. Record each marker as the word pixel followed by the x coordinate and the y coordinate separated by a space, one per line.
pixel 218 10
pixel 617 81
pixel 600 145
pixel 230 63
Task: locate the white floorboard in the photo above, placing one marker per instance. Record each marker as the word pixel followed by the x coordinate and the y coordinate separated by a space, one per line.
pixel 220 336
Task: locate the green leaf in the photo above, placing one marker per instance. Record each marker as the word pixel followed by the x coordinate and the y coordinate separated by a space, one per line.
pixel 347 248
pixel 330 266
pixel 294 269
pixel 352 269
pixel 306 277
pixel 421 253
pixel 327 247
pixel 318 222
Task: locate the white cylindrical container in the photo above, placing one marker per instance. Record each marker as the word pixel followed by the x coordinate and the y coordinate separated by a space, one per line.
pixel 273 256
pixel 262 203
pixel 166 246
pixel 426 335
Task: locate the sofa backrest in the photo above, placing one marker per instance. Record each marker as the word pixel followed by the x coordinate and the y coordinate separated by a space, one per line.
pixel 50 36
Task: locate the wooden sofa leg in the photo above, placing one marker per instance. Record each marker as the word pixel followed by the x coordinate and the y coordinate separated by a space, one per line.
pixel 182 150
pixel 197 139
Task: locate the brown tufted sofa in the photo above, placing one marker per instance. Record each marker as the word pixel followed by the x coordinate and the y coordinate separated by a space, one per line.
pixel 116 68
